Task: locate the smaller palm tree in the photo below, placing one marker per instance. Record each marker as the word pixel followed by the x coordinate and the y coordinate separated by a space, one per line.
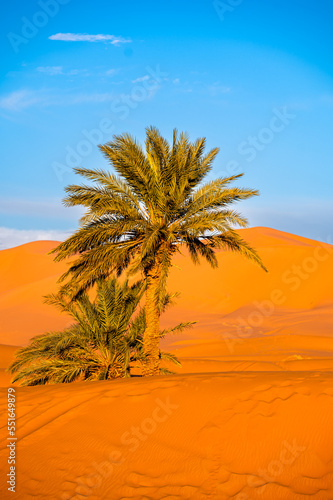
pixel 103 342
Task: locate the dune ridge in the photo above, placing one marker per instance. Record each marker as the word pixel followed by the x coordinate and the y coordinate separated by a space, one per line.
pixel 247 416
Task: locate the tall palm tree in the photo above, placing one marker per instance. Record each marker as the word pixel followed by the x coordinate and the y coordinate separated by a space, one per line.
pixel 138 219
pixel 105 339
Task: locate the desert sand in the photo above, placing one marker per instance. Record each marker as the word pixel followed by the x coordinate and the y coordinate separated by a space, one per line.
pixel 248 416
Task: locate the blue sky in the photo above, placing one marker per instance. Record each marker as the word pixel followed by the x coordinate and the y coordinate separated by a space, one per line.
pixel 253 77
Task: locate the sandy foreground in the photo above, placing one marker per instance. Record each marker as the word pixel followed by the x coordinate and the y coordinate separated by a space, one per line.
pixel 239 435
pixel 249 414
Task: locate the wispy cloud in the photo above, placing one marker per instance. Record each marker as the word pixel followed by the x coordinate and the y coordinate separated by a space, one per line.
pixel 217 89
pixel 18 100
pixel 85 37
pixel 59 70
pixel 51 70
pixel 111 72
pixel 14 237
pixel 141 79
pixel 97 97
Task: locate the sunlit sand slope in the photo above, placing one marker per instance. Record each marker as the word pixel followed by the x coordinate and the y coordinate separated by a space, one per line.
pixel 6 357
pixel 237 301
pixel 249 416
pixel 265 435
pixel 27 273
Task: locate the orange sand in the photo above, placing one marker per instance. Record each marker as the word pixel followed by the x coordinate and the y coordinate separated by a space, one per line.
pixel 263 431
pixel 6 357
pixel 238 435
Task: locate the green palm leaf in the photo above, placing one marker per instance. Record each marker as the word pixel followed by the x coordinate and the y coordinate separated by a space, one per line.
pixel 104 340
pixel 154 204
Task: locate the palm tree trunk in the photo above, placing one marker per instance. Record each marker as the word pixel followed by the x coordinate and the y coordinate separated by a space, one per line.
pixel 151 337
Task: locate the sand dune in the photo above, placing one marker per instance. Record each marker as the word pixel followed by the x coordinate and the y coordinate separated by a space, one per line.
pixel 248 416
pixel 245 318
pixel 243 436
pixel 6 357
pixel 238 299
pixel 27 274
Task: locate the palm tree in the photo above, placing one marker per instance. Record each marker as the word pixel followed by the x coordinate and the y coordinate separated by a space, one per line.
pixel 138 219
pixel 102 343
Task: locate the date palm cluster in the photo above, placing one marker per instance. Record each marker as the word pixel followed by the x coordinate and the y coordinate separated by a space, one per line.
pixel 151 204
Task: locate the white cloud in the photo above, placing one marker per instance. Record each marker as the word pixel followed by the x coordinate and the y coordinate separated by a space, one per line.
pixel 51 70
pixel 59 70
pixel 93 98
pixel 21 99
pixel 217 89
pixel 141 79
pixel 111 72
pixel 18 100
pixel 13 237
pixel 45 210
pixel 85 37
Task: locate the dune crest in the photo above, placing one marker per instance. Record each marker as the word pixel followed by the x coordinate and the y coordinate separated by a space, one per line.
pixel 296 282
